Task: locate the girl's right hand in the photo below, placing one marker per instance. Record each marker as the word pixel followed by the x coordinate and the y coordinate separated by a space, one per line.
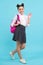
pixel 18 22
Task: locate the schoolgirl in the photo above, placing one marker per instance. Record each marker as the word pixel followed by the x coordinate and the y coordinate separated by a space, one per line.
pixel 20 33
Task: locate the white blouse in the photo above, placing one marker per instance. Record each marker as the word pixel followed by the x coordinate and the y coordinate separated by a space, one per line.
pixel 23 19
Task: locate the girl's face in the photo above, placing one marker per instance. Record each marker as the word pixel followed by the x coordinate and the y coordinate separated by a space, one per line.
pixel 21 10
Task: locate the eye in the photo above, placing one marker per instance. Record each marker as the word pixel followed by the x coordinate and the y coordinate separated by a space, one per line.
pixel 19 9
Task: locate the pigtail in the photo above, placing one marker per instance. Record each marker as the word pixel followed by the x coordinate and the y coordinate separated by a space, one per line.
pixel 18 5
pixel 22 4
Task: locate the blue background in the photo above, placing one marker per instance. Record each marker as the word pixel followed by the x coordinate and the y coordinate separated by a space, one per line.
pixel 33 53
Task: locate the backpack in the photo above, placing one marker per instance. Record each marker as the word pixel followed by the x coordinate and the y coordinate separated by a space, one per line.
pixel 12 29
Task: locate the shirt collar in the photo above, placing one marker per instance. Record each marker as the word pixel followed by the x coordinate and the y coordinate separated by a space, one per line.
pixel 20 14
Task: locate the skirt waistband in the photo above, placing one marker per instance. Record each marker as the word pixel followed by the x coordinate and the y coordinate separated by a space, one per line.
pixel 21 27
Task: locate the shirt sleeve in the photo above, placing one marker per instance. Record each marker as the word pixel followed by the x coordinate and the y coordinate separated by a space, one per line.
pixel 14 20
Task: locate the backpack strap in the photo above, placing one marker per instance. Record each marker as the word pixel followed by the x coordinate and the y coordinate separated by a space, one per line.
pixel 18 18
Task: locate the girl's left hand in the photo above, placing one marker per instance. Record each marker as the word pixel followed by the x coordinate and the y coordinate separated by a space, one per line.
pixel 29 15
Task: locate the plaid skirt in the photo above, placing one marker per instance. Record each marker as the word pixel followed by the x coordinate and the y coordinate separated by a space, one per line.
pixel 19 34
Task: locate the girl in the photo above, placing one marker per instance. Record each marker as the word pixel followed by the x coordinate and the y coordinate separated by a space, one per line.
pixel 20 34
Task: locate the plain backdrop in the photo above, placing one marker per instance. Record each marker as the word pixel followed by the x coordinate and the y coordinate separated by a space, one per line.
pixel 33 52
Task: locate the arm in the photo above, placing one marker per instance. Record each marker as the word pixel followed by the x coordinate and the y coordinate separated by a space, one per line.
pixel 29 16
pixel 13 22
pixel 16 24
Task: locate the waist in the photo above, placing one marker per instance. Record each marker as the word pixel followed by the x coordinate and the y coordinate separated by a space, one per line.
pixel 23 24
pixel 21 27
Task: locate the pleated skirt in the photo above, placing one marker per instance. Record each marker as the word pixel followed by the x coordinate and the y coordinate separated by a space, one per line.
pixel 20 34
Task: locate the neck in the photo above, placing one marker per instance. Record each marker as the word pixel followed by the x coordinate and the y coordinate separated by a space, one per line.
pixel 21 13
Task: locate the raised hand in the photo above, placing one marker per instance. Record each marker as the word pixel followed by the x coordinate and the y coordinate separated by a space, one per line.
pixel 29 15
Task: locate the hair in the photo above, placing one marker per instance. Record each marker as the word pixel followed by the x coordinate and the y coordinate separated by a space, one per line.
pixel 18 5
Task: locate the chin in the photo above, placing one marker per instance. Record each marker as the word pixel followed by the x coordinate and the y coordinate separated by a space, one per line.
pixel 22 13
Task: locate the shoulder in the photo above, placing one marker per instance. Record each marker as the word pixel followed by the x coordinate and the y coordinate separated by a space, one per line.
pixel 15 16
